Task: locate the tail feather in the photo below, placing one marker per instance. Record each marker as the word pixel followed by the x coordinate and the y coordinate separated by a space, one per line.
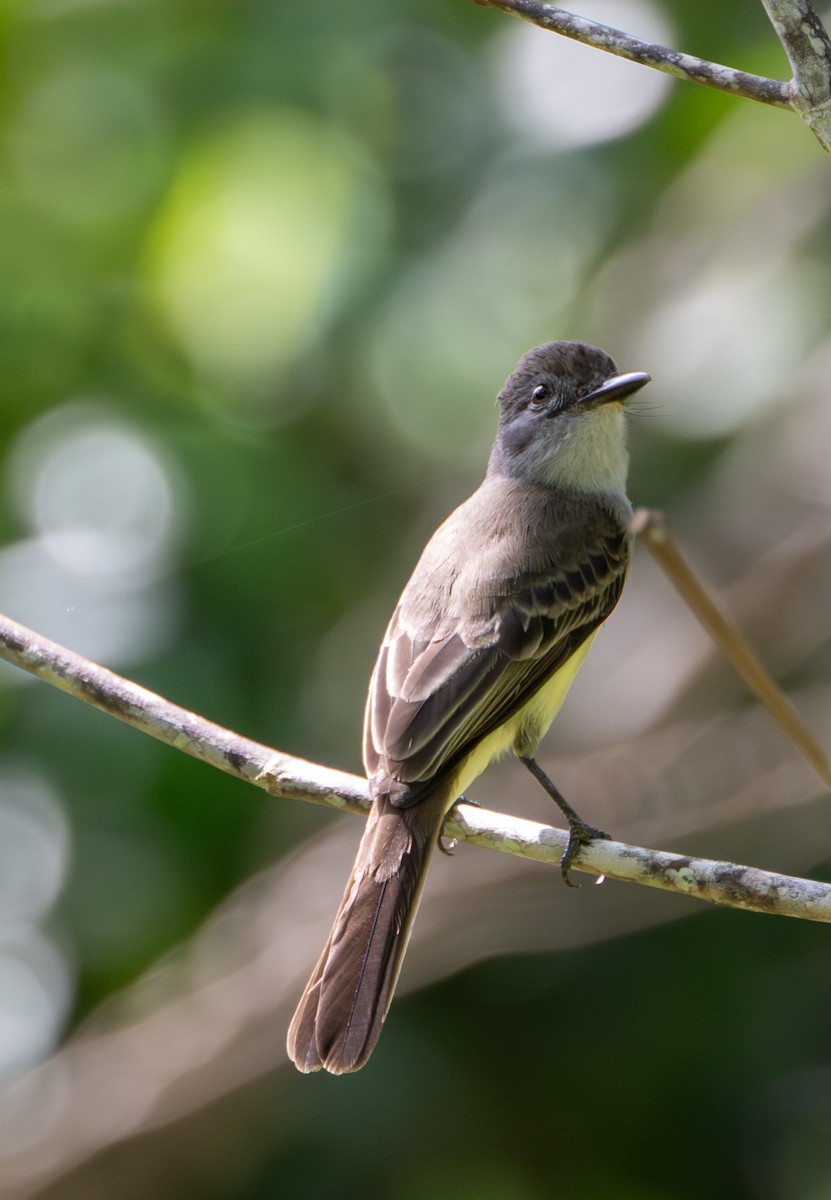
pixel 339 1018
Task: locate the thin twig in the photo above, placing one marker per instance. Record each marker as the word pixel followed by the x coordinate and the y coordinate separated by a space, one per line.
pixel 282 775
pixel 649 54
pixel 653 528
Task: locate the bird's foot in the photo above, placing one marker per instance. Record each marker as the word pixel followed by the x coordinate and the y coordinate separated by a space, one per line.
pixel 580 834
pixel 448 845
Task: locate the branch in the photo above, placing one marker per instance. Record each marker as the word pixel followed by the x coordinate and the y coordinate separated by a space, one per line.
pixel 653 528
pixel 722 883
pixel 808 47
pixel 649 54
pixel 280 774
pixel 284 776
pixel 797 25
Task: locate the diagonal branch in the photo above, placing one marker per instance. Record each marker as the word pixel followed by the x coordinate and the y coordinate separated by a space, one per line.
pixel 653 528
pixel 649 54
pixel 282 775
pixel 797 25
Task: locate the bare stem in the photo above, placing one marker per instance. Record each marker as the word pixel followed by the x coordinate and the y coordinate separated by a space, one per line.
pixel 652 527
pixel 649 54
pixel 285 776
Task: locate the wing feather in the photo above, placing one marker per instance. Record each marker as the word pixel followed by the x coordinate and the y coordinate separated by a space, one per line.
pixel 452 668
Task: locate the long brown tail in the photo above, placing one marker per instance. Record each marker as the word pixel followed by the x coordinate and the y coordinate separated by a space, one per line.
pixel 340 1015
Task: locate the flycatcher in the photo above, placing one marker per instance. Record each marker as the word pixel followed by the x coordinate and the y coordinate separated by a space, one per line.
pixel 486 639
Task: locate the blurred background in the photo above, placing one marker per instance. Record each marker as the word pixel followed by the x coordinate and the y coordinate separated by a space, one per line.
pixel 264 268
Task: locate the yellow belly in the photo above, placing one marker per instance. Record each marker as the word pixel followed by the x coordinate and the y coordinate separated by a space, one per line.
pixel 525 728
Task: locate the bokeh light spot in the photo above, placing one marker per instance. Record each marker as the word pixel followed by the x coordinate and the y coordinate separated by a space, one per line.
pixel 34 860
pixel 725 345
pixel 34 847
pixel 104 512
pixel 246 252
pixel 460 318
pixel 558 92
pixel 96 490
pixel 34 993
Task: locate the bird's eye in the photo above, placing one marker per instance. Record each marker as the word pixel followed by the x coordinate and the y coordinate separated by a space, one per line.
pixel 539 395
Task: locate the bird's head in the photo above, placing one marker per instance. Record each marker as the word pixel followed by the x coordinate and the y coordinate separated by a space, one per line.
pixel 562 419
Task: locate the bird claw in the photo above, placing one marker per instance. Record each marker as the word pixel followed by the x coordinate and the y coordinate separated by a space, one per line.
pixel 579 835
pixel 448 845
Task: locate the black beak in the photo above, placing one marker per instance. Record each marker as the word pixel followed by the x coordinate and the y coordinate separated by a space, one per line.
pixel 615 388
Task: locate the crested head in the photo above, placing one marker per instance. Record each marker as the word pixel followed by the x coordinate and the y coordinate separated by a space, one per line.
pixel 562 421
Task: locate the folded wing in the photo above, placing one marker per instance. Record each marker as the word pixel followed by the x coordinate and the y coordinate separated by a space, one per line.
pixel 448 676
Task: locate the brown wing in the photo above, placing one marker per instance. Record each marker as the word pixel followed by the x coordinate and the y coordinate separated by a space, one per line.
pixel 451 672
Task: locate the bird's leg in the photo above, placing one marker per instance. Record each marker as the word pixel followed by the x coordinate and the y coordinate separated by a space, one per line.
pixel 449 847
pixel 580 833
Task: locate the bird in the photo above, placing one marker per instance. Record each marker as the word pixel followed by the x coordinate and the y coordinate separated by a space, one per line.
pixel 482 647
